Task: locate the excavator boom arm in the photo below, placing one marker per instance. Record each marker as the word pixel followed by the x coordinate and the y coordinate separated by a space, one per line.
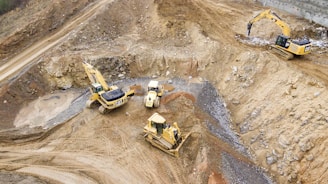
pixel 95 76
pixel 272 16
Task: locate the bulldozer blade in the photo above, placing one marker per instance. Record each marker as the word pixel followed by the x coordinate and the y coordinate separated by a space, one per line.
pixel 172 152
pixel 184 138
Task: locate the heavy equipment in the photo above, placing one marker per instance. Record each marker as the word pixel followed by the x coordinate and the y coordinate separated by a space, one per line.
pixel 284 45
pixel 164 136
pixel 155 92
pixel 110 97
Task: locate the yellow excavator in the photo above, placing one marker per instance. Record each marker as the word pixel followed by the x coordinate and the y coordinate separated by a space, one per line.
pixel 284 45
pixel 164 136
pixel 110 97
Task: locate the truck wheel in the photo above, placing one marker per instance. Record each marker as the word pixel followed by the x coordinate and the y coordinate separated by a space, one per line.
pixel 156 102
pixel 145 100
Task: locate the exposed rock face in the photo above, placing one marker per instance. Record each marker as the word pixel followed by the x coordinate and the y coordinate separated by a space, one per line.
pixel 313 10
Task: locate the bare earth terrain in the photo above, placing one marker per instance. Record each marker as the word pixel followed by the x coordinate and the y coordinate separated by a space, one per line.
pixel 253 117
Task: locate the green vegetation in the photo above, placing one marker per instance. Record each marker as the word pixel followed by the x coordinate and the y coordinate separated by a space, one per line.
pixel 7 5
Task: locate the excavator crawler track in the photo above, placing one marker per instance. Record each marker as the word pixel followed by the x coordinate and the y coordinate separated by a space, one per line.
pixel 285 54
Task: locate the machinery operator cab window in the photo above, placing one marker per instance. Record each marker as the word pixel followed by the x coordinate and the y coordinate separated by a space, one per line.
pixel 96 87
pixel 282 41
pixel 159 127
pixel 153 89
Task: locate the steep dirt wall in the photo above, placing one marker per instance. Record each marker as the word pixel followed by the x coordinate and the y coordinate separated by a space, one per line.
pixel 26 88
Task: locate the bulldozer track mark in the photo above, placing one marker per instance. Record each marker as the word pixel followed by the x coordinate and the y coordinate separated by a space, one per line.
pixel 107 145
pixel 69 177
pixel 150 174
pixel 119 135
pixel 318 71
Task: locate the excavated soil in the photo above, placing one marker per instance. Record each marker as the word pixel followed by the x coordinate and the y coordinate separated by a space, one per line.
pixel 253 117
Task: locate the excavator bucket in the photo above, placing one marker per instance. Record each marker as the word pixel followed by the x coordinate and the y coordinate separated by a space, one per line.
pixel 249 27
pixel 130 93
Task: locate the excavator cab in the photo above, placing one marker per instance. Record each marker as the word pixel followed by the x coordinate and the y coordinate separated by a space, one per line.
pixel 282 41
pixel 96 87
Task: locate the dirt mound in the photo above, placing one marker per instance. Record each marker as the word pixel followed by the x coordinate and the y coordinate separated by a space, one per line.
pixel 138 90
pixel 173 96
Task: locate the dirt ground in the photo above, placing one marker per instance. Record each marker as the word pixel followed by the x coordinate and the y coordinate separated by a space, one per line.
pixel 267 123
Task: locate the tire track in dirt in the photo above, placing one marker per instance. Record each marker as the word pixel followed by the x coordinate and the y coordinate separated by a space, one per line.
pixel 150 173
pixel 312 69
pixel 55 174
pixel 29 55
pixel 66 167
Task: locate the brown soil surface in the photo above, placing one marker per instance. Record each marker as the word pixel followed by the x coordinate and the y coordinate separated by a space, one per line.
pixel 268 123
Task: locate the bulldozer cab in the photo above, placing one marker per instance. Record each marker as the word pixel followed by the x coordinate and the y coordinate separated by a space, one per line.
pixel 96 88
pixel 158 122
pixel 159 128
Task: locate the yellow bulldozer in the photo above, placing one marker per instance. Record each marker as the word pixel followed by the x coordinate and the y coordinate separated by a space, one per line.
pixel 284 45
pixel 110 97
pixel 164 136
pixel 155 92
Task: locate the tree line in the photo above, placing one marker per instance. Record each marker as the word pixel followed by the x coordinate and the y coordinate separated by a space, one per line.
pixel 7 5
